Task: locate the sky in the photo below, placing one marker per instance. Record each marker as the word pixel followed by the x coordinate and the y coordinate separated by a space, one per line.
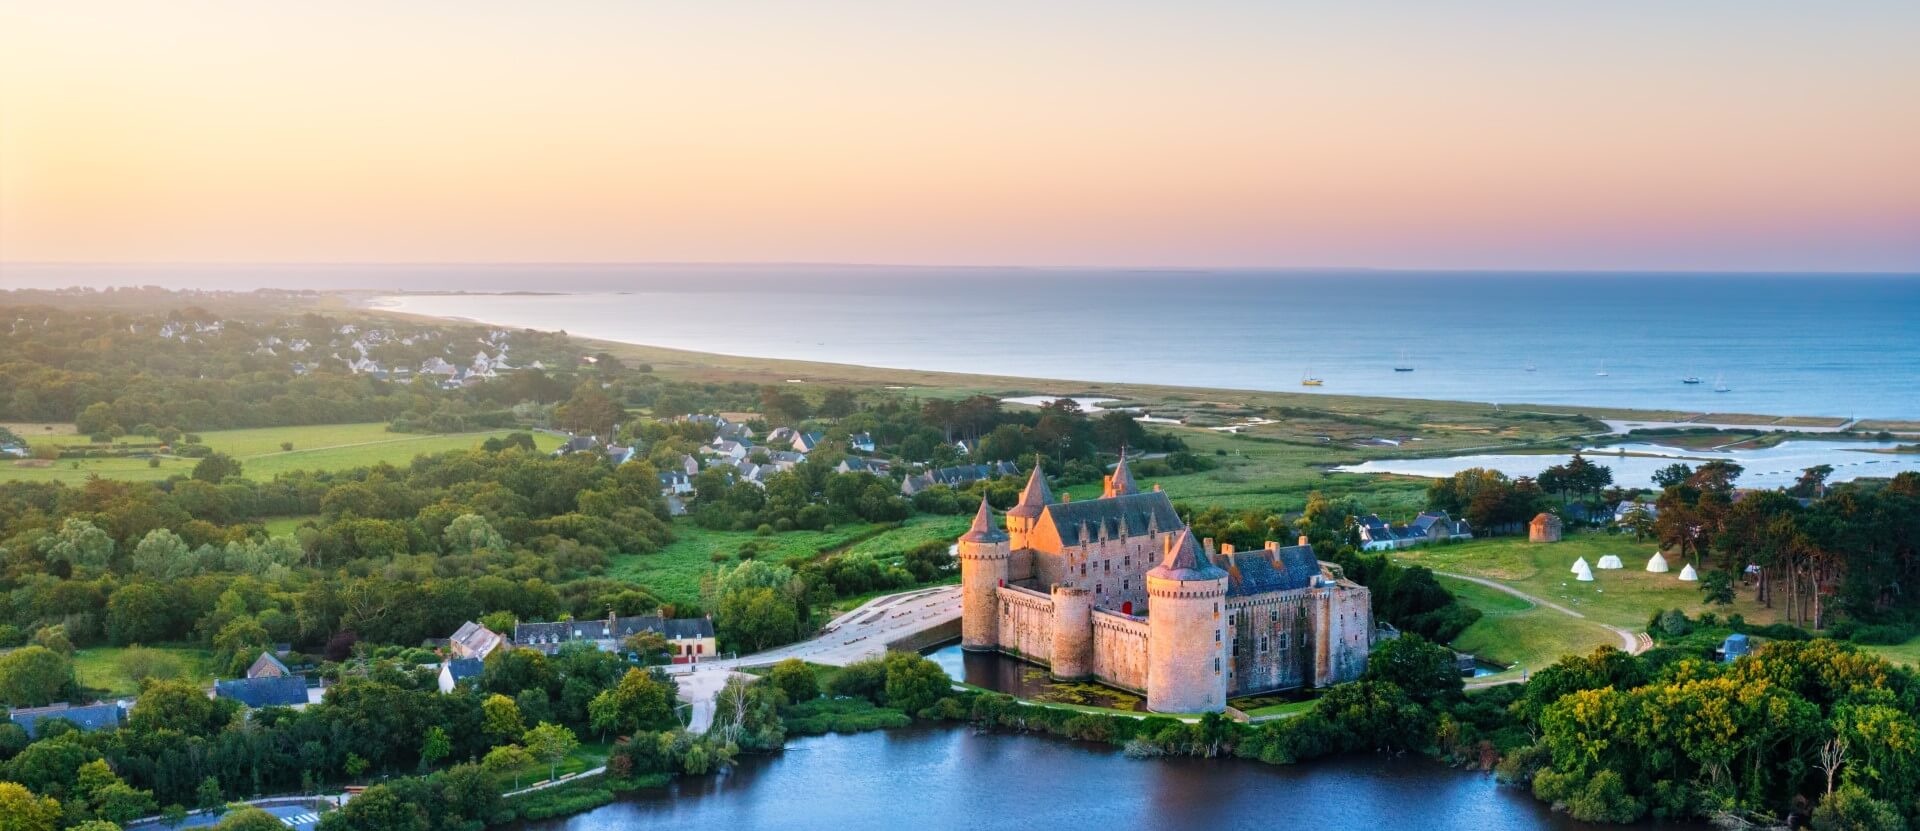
pixel 1705 135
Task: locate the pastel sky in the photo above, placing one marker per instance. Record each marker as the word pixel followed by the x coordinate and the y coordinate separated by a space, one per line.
pixel 1707 134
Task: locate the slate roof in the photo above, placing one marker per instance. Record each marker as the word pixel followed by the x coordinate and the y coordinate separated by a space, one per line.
pixel 1257 573
pixel 88 718
pixel 1183 561
pixel 284 691
pixel 462 669
pixel 1134 512
pixel 547 637
pixel 265 661
pixel 984 529
pixel 1035 497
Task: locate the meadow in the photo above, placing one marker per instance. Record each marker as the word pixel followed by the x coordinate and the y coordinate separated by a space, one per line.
pixel 100 667
pixel 315 447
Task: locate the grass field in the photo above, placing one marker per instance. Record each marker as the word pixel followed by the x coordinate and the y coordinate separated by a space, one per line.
pixel 1907 653
pixel 315 447
pixel 674 572
pixel 1515 632
pixel 1625 598
pixel 99 667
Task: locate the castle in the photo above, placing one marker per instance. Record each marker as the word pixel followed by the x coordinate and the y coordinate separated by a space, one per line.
pixel 1117 590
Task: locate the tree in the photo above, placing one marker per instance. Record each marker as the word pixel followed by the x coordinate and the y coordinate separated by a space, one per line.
pixel 500 717
pixel 175 705
pixel 21 810
pixel 1851 808
pixel 795 678
pixel 249 818
pixel 1426 671
pixel 838 402
pixel 208 796
pixel 550 743
pixel 1812 482
pixel 35 676
pixel 377 808
pixel 162 555
pixel 648 647
pixel 589 412
pixel 755 618
pixel 468 533
pixel 1717 586
pixel 642 700
pixel 434 746
pixel 216 468
pixel 81 545
pixel 507 757
pixel 914 683
pixel 782 406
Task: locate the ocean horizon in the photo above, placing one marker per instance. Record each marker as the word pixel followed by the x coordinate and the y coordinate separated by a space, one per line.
pixel 1842 345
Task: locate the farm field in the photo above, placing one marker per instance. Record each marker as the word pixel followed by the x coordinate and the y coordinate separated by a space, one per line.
pixel 315 447
pixel 673 573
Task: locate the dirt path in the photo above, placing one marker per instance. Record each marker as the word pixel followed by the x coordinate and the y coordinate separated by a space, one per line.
pixel 1633 642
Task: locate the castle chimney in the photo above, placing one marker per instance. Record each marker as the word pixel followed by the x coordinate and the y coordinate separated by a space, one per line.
pixel 1156 486
pixel 1066 497
pixel 1207 545
pixel 1303 540
pixel 1226 549
pixel 1273 546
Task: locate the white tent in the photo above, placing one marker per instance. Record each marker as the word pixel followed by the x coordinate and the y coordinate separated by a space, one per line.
pixel 1688 575
pixel 1582 573
pixel 1580 565
pixel 1657 564
pixel 1610 561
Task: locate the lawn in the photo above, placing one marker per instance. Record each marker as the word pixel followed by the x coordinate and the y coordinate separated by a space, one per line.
pixel 1626 597
pixel 1517 633
pixel 315 447
pixel 1907 653
pixel 673 573
pixel 99 667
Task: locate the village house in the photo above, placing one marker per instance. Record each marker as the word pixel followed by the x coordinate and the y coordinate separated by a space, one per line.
pixel 855 464
pixel 87 717
pixel 254 693
pixel 453 671
pixel 688 639
pixel 862 442
pixel 734 449
pixel 473 640
pixel 267 666
pixel 1433 526
pixel 958 476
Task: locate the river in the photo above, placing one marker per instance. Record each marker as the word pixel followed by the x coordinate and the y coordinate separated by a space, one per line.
pixel 936 778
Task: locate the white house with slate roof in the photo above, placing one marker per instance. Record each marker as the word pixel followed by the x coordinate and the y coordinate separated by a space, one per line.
pixel 1117 589
pixel 689 639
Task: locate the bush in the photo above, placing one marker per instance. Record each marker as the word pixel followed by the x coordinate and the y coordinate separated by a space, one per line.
pixel 840 715
pixel 794 678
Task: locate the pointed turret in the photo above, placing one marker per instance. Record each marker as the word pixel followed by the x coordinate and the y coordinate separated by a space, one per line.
pixel 983 529
pixel 1121 482
pixel 1181 560
pixel 1035 497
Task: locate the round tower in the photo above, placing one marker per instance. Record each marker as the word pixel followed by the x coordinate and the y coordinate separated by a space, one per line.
pixel 1072 652
pixel 1186 630
pixel 983 553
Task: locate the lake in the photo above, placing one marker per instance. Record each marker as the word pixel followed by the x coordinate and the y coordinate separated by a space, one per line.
pixel 1770 467
pixel 939 778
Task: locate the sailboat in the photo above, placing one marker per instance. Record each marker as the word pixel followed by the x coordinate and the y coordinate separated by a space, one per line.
pixel 1720 384
pixel 1311 380
pixel 1690 379
pixel 1404 365
pixel 1530 367
pixel 1602 371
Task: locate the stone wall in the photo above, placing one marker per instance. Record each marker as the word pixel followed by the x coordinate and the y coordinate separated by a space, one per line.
pixel 1343 623
pixel 1120 650
pixel 1271 641
pixel 1026 623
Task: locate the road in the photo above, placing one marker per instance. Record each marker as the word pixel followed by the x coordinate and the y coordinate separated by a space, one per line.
pixel 857 635
pixel 1633 642
pixel 295 817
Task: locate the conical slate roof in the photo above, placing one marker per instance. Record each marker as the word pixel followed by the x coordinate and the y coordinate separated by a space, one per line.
pixel 1036 497
pixel 984 530
pixel 1121 482
pixel 1183 560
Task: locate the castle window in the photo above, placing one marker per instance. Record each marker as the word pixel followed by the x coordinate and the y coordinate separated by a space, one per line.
pixel 1216 668
pixel 1124 584
pixel 1263 644
pixel 1127 560
pixel 1099 588
pixel 1273 616
pixel 1083 569
pixel 1282 640
pixel 1106 566
pixel 1216 636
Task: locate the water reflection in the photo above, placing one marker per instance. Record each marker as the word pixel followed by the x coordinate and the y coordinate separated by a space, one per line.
pixel 937 778
pixel 1004 673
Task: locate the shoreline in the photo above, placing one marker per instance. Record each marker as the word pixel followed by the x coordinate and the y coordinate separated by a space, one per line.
pixel 670 361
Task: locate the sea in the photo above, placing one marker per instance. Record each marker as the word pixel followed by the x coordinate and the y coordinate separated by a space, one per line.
pixel 1839 345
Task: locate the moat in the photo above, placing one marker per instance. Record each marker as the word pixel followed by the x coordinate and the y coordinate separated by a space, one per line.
pixel 947 777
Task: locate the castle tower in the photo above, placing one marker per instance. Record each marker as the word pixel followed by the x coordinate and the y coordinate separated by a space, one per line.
pixel 1186 630
pixel 983 554
pixel 1120 483
pixel 1034 499
pixel 1072 653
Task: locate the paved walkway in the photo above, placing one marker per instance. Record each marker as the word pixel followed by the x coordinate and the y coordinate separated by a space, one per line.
pixel 855 636
pixel 1633 642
